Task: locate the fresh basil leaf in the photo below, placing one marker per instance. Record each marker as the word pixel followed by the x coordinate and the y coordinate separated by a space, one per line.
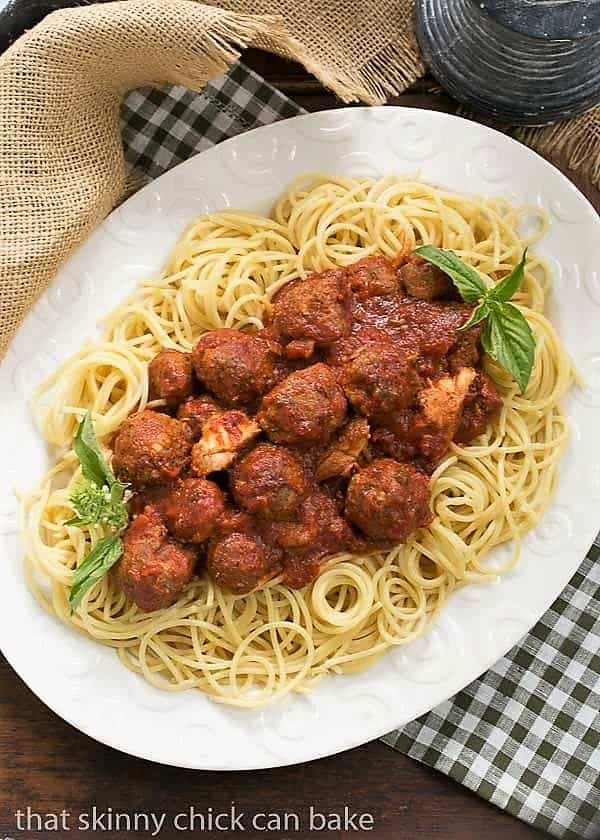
pixel 101 558
pixel 506 288
pixel 87 449
pixel 479 314
pixel 509 340
pixel 506 335
pixel 486 337
pixel 469 283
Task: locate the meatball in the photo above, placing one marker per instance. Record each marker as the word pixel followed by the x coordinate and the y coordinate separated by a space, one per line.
pixel 316 532
pixel 482 404
pixel 423 280
pixel 269 481
pixel 153 569
pixel 154 495
pixel 388 500
pixel 150 448
pixel 240 562
pixel 305 409
pixel 236 521
pixel 380 379
pixel 192 509
pixel 316 307
pixel 316 526
pixel 236 367
pixel 195 411
pixel 171 376
pixel 372 277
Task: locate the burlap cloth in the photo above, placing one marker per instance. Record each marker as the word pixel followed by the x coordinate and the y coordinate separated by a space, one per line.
pixel 61 159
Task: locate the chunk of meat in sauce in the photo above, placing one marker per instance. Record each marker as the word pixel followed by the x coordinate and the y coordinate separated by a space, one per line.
pixel 269 481
pixel 423 280
pixel 317 531
pixel 150 448
pixel 388 500
pixel 380 379
pixel 482 404
pixel 305 409
pixel 195 411
pixel 427 429
pixel 237 367
pixel 299 349
pixel 466 351
pixel 171 376
pixel 241 562
pixel 153 569
pixel 373 276
pixel 440 408
pixel 192 509
pixel 316 307
pixel 438 417
pixel 223 437
pixel 154 495
pixel 341 457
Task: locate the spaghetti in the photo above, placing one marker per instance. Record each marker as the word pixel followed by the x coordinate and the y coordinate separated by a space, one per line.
pixel 247 650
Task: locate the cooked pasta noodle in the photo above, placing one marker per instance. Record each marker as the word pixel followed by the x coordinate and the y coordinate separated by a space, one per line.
pixel 247 650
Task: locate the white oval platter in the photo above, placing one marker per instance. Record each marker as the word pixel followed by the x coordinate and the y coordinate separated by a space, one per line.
pixel 84 682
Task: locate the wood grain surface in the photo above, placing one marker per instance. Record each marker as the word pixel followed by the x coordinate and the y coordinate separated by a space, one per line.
pixel 47 766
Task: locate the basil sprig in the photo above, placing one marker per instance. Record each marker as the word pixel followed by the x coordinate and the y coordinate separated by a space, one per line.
pixel 98 499
pixel 98 505
pixel 506 335
pixel 101 558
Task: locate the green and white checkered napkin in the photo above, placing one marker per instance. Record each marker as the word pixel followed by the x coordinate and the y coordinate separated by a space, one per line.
pixel 525 735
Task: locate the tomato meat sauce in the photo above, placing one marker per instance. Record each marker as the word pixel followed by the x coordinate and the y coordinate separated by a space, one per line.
pixel 277 449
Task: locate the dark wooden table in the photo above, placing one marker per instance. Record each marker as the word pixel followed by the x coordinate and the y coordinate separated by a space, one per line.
pixel 48 766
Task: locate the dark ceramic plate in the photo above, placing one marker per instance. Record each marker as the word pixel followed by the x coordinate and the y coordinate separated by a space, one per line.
pixel 499 71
